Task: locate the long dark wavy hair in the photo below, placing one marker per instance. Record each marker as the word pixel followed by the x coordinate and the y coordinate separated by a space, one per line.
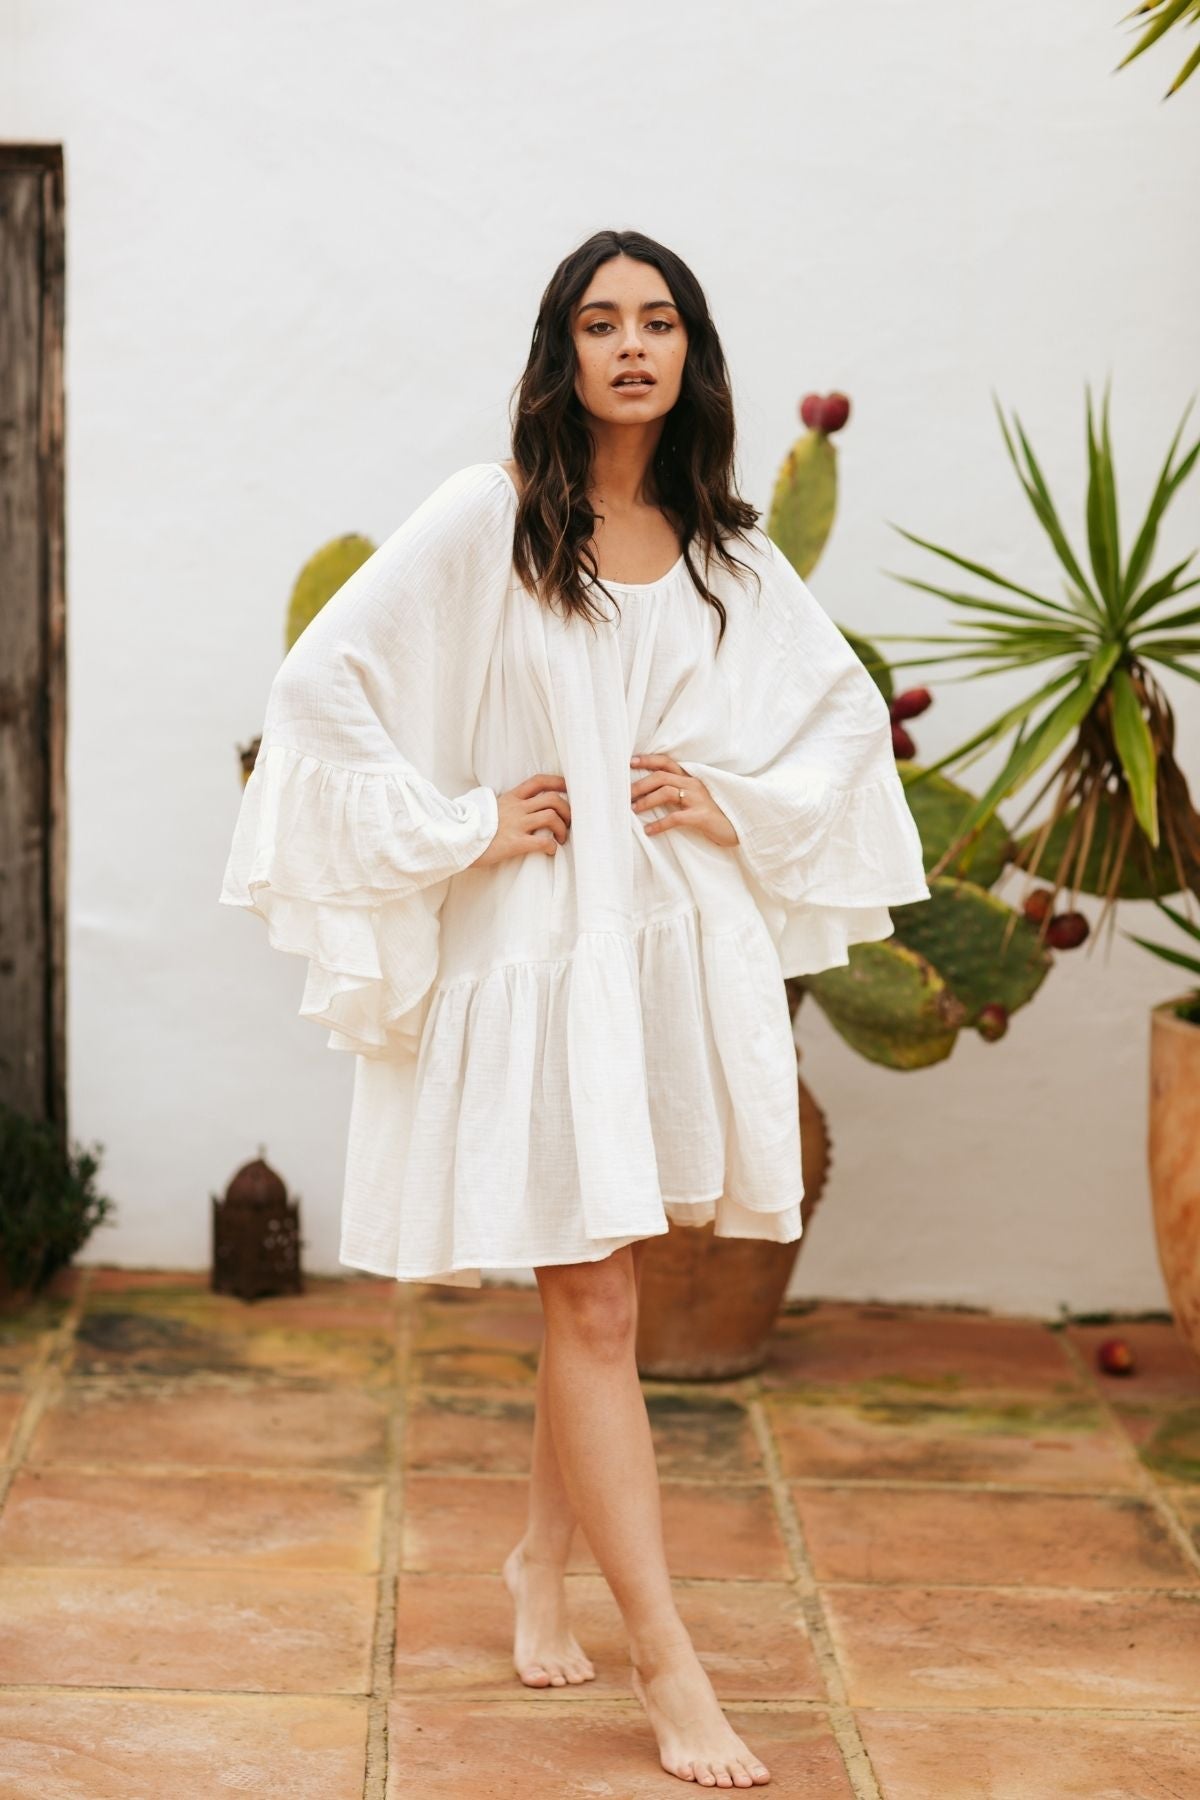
pixel 692 470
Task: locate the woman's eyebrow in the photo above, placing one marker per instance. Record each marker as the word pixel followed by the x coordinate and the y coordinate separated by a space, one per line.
pixel 646 306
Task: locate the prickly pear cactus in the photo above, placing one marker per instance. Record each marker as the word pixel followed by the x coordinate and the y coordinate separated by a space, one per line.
pixel 938 805
pixel 890 1004
pixel 804 504
pixel 872 661
pixel 961 958
pixel 805 501
pixel 326 570
pixel 986 953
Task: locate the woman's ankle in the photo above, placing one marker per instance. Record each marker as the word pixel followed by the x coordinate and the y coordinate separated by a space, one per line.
pixel 660 1647
pixel 543 1554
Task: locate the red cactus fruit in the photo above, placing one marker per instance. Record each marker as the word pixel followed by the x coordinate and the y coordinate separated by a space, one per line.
pixel 810 411
pixel 911 702
pixel 1066 930
pixel 1115 1357
pixel 835 410
pixel 1037 905
pixel 992 1022
pixel 902 744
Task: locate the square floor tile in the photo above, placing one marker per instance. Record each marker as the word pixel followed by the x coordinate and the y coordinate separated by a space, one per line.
pixel 970 1647
pixel 917 1350
pixel 696 1435
pixel 65 1745
pixel 152 1334
pixel 1165 1368
pixel 981 1756
pixel 66 1516
pixel 472 1430
pixel 1185 1504
pixel 491 1342
pixel 294 1632
pixel 25 1333
pixel 1022 1441
pixel 532 1750
pixel 1166 1436
pixel 250 1426
pixel 454 1634
pixel 469 1523
pixel 929 1536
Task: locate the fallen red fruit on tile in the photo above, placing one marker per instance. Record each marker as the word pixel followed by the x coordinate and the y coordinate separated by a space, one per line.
pixel 1115 1357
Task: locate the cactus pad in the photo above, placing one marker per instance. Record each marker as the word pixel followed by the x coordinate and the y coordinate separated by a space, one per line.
pixel 890 1005
pixel 326 570
pixel 938 806
pixel 871 660
pixel 804 501
pixel 961 931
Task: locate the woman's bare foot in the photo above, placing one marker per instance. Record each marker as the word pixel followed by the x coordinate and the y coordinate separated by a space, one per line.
pixel 695 1739
pixel 545 1651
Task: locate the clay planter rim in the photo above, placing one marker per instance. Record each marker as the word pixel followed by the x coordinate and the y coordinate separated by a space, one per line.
pixel 1166 1019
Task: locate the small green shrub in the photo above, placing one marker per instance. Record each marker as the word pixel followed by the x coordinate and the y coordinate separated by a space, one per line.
pixel 48 1204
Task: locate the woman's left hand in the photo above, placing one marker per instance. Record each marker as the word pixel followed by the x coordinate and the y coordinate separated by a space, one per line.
pixel 662 785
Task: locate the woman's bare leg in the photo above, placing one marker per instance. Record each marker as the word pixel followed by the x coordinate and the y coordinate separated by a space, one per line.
pixel 545 1650
pixel 605 1455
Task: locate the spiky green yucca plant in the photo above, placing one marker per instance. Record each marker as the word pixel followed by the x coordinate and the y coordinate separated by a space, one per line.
pixel 1189 1007
pixel 1164 15
pixel 1122 821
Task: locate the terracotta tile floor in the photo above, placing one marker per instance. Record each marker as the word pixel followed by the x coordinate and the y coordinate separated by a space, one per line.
pixel 925 1554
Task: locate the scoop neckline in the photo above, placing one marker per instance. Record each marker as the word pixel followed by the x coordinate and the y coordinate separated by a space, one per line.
pixel 626 587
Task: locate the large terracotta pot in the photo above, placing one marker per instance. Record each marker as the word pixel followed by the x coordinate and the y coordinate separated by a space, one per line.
pixel 1174 1151
pixel 707 1305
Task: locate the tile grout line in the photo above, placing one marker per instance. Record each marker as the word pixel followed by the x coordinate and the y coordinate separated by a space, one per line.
pixel 762 1708
pixel 383 1648
pixel 842 1721
pixel 42 1382
pixel 1149 1487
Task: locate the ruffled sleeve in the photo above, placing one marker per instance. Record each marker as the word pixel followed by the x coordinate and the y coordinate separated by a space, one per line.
pixel 806 773
pixel 362 803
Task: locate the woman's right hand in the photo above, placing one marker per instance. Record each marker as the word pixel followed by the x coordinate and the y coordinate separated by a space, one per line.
pixel 534 815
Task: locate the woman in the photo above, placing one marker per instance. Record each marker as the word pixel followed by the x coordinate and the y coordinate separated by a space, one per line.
pixel 549 861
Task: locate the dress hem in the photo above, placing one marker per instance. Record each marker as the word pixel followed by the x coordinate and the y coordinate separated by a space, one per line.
pixel 475 1265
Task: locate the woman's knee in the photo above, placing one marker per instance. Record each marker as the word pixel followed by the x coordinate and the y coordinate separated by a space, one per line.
pixel 594 1303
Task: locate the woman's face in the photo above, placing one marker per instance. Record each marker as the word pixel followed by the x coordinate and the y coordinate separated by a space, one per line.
pixel 626 323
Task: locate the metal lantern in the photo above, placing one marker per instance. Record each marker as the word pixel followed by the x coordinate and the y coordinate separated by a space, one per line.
pixel 256 1236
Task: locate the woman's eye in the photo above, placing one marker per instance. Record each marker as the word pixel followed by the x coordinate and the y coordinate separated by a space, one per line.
pixel 605 325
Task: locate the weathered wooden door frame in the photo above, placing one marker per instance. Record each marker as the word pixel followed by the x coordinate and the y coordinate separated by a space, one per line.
pixel 33 674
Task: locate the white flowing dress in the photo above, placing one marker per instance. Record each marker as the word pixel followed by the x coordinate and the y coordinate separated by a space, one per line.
pixel 558 1054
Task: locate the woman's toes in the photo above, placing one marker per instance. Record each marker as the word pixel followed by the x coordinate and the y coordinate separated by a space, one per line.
pixel 534 1675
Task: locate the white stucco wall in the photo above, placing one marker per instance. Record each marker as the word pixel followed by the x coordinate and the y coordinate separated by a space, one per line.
pixel 305 245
